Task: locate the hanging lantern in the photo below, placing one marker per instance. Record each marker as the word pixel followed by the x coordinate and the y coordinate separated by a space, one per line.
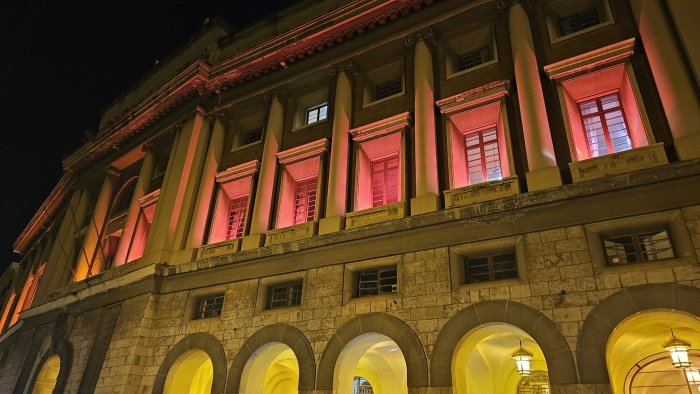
pixel 693 376
pixel 522 360
pixel 679 351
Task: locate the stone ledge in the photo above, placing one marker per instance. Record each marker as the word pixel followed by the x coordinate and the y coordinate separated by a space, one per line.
pixel 482 192
pixel 632 160
pixel 288 234
pixel 374 215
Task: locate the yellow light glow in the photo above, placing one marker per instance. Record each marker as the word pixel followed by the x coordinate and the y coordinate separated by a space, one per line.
pixel 693 376
pixel 46 380
pixel 679 352
pixel 273 369
pixel 192 373
pixel 522 360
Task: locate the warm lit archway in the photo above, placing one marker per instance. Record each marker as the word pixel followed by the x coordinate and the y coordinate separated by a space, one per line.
pixel 192 373
pixel 272 369
pixel 48 375
pixel 374 357
pixel 635 355
pixel 482 363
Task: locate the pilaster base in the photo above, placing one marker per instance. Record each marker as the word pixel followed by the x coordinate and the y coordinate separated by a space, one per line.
pixel 425 204
pixel 331 224
pixel 688 148
pixel 544 178
pixel 252 241
pixel 183 256
pixel 158 257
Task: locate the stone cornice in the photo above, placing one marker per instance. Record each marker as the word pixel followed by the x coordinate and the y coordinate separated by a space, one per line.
pixel 485 94
pixel 312 149
pixel 303 41
pixel 582 63
pixel 46 212
pixel 382 127
pixel 238 172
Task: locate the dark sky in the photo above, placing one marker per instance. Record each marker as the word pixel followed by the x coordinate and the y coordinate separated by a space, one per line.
pixel 62 62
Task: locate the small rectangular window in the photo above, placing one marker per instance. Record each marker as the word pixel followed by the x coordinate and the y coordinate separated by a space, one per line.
pixel 579 21
pixel 376 282
pixel 638 247
pixel 305 200
pixel 236 217
pixel 385 180
pixel 388 89
pixel 490 267
pixel 253 136
pixel 317 114
pixel 468 60
pixel 482 157
pixel 285 295
pixel 605 126
pixel 210 307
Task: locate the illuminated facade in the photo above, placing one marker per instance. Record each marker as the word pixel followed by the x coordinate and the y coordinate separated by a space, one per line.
pixel 381 196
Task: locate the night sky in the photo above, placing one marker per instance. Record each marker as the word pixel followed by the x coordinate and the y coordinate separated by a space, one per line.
pixel 62 63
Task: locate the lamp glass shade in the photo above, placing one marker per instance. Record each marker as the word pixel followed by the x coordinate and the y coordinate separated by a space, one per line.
pixel 522 361
pixel 693 376
pixel 679 352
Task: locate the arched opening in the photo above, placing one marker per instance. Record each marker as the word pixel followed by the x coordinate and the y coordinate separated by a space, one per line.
pixel 483 362
pixel 371 363
pixel 637 360
pixel 192 373
pixel 48 375
pixel 272 369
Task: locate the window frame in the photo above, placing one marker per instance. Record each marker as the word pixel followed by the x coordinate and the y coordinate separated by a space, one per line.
pixel 638 245
pixel 378 280
pixel 317 110
pixel 234 182
pixel 601 112
pixel 352 270
pixel 556 10
pixel 672 221
pixel 505 245
pixel 471 40
pixel 201 314
pixel 290 290
pixel 490 265
pixel 389 71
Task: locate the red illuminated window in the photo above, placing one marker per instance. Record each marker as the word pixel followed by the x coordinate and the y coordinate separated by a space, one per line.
pixel 482 157
pixel 385 180
pixel 6 310
pixel 604 124
pixel 305 200
pixel 236 217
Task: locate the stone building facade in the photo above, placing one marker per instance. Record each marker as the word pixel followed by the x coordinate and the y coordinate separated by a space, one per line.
pixel 400 194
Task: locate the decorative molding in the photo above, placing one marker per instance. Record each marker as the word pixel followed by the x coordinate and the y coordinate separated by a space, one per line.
pixel 481 192
pixel 149 199
pixel 382 127
pixel 292 233
pixel 585 62
pixel 619 163
pixel 279 93
pixel 219 248
pixel 299 153
pixel 346 66
pixel 374 215
pixel 238 172
pixel 473 98
pixel 423 35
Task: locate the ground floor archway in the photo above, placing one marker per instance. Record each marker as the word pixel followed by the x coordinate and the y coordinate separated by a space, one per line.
pixel 192 373
pixel 371 363
pixel 47 377
pixel 272 369
pixel 636 355
pixel 483 362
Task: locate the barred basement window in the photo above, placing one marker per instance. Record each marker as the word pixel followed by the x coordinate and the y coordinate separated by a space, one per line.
pixel 253 136
pixel 387 89
pixel 317 114
pixel 210 307
pixel 638 247
pixel 376 282
pixel 285 295
pixel 472 59
pixel 491 267
pixel 582 20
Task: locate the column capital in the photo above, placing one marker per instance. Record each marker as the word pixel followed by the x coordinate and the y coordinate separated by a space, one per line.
pixel 111 171
pixel 422 35
pixel 212 117
pixel 150 146
pixel 346 66
pixel 279 93
pixel 503 4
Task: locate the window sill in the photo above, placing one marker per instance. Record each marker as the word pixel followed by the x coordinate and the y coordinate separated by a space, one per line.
pixel 272 311
pixel 372 298
pixel 292 233
pixel 492 283
pixel 631 160
pixel 374 215
pixel 309 125
pixel 219 248
pixel 385 99
pixel 644 266
pixel 246 146
pixel 559 39
pixel 472 69
pixel 481 192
